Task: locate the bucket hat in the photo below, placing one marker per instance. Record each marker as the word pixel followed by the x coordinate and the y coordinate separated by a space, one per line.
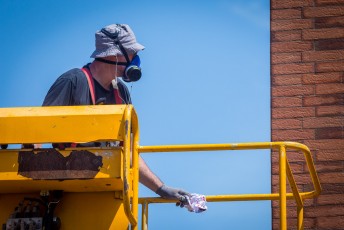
pixel 105 46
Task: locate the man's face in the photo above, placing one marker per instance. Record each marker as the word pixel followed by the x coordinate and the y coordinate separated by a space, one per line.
pixel 120 68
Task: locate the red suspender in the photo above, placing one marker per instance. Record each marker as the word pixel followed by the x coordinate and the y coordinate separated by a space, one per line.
pixel 90 84
pixel 93 91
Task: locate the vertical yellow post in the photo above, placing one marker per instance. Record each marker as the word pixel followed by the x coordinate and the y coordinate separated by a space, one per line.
pixel 144 225
pixel 130 187
pixel 135 165
pixel 283 188
pixel 300 218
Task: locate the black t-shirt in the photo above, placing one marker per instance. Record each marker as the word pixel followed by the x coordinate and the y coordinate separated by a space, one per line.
pixel 72 88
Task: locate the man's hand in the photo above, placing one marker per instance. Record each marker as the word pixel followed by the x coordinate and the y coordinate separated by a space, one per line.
pixel 172 193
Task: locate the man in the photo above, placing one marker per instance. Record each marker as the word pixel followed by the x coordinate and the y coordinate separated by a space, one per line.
pixel 97 83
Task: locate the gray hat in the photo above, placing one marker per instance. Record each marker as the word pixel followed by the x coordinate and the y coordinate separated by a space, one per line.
pixel 105 46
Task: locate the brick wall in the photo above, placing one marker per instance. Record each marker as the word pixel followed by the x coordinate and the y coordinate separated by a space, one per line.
pixel 307 91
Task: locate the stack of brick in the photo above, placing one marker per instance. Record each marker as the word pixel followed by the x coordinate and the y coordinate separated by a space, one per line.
pixel 307 102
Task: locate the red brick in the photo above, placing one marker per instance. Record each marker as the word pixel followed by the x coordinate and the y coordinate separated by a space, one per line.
pixel 328 11
pixel 309 224
pixel 330 66
pixel 292 113
pixel 276 212
pixel 297 157
pixel 291 204
pixel 330 155
pixel 295 134
pixel 294 79
pixel 294 46
pixel 277 58
pixel 291 214
pixel 328 22
pixel 330 110
pixel 322 122
pixel 291 35
pixel 286 102
pixel 335 199
pixel 333 222
pixel 333 88
pixel 329 166
pixel 334 99
pixel 292 24
pixel 293 157
pixel 329 188
pixel 286 124
pixel 322 55
pixel 329 44
pixel 329 2
pixel 327 210
pixel 322 78
pixel 275 189
pixel 281 4
pixel 294 68
pixel 329 133
pixel 300 180
pixel 274 158
pixel 285 14
pixel 311 202
pixel 294 90
pixel 324 50
pixel 332 178
pixel 316 34
pixel 297 167
pixel 321 145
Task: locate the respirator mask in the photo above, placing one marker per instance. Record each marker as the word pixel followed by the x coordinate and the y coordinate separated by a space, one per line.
pixel 132 70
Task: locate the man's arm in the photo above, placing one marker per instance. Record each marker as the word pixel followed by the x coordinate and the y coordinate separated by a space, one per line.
pixel 151 181
pixel 147 177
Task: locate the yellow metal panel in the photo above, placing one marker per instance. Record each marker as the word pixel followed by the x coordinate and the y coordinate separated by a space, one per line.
pixel 74 124
pixel 108 178
pixel 87 211
pixel 91 211
pixel 61 124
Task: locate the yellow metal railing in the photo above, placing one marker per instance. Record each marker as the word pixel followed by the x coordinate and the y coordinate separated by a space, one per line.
pixel 120 122
pixel 284 174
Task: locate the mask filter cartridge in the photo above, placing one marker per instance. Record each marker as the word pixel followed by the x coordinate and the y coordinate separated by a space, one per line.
pixel 133 71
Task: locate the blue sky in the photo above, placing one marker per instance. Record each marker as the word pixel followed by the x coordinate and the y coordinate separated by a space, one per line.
pixel 206 79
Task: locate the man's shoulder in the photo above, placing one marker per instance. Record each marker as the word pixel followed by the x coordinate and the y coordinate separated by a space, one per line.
pixel 69 89
pixel 73 74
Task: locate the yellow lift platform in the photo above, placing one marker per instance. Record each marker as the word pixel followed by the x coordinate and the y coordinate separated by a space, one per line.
pixel 78 185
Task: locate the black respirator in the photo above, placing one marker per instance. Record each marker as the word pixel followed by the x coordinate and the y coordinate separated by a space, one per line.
pixel 132 70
